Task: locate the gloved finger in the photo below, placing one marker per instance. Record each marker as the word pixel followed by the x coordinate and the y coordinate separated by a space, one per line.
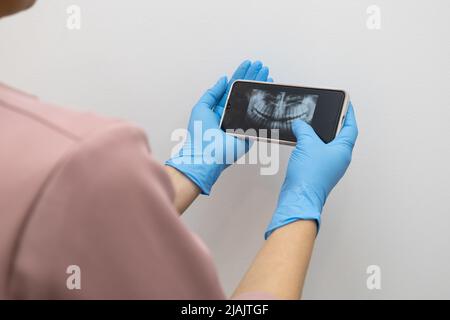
pixel 349 131
pixel 240 71
pixel 238 74
pixel 218 110
pixel 253 70
pixel 214 94
pixel 303 131
pixel 262 74
pixel 269 79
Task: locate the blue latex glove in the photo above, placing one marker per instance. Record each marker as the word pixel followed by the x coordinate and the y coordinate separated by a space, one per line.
pixel 196 160
pixel 314 168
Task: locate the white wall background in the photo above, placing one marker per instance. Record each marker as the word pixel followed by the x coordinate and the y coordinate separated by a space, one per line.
pixel 149 61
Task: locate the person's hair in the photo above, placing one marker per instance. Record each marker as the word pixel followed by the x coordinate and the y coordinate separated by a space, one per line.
pixel 9 7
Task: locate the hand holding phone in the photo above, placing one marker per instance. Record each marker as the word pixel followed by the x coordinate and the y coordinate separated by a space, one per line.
pixel 314 169
pixel 193 159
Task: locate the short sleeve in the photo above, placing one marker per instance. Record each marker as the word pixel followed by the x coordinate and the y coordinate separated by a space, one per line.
pixel 107 210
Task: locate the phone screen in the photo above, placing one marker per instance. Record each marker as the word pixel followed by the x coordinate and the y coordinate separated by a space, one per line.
pixel 256 105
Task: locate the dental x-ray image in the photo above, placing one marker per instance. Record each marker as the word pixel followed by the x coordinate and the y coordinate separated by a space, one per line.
pixel 277 110
pixel 268 110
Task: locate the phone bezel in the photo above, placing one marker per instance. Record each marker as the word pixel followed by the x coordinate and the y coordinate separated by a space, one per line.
pixel 344 109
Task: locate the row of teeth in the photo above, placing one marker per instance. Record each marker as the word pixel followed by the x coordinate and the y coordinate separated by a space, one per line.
pixel 268 122
pixel 281 113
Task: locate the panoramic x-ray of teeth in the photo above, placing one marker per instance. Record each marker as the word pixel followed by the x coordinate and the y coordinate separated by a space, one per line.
pixel 277 110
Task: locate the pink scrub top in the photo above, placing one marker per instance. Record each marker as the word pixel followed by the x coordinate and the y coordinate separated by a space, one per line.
pixel 87 213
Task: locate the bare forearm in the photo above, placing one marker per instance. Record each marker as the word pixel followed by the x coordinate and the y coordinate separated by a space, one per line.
pixel 280 266
pixel 185 190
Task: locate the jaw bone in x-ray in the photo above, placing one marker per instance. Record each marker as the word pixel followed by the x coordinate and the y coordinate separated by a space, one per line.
pixel 278 110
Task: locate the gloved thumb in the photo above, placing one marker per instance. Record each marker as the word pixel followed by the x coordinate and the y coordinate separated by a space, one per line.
pixel 302 130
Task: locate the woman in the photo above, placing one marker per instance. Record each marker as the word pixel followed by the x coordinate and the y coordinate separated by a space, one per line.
pixel 83 190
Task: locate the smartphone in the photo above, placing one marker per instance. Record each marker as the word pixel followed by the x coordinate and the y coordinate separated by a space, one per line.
pixel 254 109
